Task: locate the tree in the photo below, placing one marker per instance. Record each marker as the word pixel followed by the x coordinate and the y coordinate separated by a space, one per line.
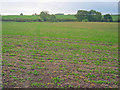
pixel 21 14
pixel 51 18
pixel 44 15
pixel 91 15
pixel 107 18
pixel 98 16
pixel 81 15
pixel 39 19
pixel 94 16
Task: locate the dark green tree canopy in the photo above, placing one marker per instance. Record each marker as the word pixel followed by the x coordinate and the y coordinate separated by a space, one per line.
pixel 94 16
pixel 45 16
pixel 81 15
pixel 108 18
pixel 91 15
pixel 21 14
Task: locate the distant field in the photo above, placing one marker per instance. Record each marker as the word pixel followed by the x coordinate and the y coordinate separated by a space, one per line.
pixel 115 17
pixel 17 17
pixel 60 54
pixel 66 17
pixel 60 17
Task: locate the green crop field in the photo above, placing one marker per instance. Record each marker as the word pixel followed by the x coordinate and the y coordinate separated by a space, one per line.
pixel 13 17
pixel 60 54
pixel 115 17
pixel 65 17
pixel 32 17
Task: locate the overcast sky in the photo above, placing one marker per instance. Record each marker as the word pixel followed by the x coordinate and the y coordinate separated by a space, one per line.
pixel 59 0
pixel 15 7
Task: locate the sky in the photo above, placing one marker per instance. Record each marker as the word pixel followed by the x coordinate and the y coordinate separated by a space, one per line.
pixel 59 0
pixel 15 7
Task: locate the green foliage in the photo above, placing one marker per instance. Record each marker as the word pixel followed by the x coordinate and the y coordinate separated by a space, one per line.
pixel 92 15
pixel 89 75
pixel 59 18
pixel 37 84
pixel 80 70
pixel 56 79
pixel 10 65
pixel 33 67
pixel 41 60
pixel 81 15
pixel 23 67
pixel 86 45
pixel 29 78
pixel 107 18
pixel 40 67
pixel 40 79
pixel 20 18
pixel 3 74
pixel 35 72
pixel 45 16
pixel 29 72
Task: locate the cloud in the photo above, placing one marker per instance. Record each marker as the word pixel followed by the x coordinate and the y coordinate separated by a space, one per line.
pixel 29 8
pixel 59 0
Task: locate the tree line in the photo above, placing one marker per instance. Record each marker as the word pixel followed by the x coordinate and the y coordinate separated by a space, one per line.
pixel 81 16
pixel 45 16
pixel 92 16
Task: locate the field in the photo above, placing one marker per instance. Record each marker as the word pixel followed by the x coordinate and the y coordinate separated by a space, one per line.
pixel 60 55
pixel 115 17
pixel 58 17
pixel 13 17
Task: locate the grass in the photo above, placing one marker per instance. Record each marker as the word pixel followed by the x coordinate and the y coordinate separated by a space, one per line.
pixel 61 55
pixel 12 17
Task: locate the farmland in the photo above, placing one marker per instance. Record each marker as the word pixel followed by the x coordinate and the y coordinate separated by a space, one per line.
pixel 35 18
pixel 59 55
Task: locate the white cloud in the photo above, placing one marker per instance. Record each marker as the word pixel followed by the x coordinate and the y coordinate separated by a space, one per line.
pixel 59 0
pixel 28 8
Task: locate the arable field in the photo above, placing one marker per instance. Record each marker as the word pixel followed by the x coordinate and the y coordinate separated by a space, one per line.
pixel 60 55
pixel 58 17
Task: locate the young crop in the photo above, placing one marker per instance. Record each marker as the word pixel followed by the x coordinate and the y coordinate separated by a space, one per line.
pixel 41 60
pixel 3 74
pixel 80 70
pixel 22 59
pixel 37 84
pixel 12 54
pixel 56 79
pixel 29 72
pixel 29 78
pixel 40 79
pixel 35 72
pixel 22 67
pixel 51 61
pixel 76 74
pixel 78 52
pixel 35 57
pixel 11 70
pixel 86 63
pixel 40 67
pixel 10 65
pixel 33 67
pixel 89 75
